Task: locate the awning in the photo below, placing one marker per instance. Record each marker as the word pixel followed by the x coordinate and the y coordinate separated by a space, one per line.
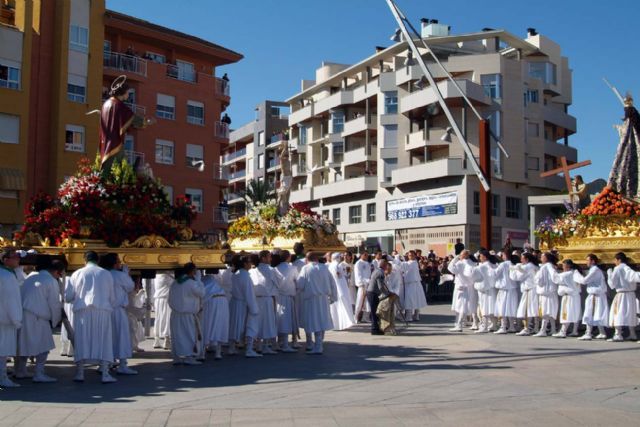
pixel 12 179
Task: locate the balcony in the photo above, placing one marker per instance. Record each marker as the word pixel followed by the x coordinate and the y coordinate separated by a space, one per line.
pixel 345 187
pixel 298 170
pixel 559 118
pixel 138 110
pixel 123 62
pixel 337 99
pixel 558 149
pixel 358 155
pixel 234 197
pixel 220 173
pixel 221 130
pixel 273 164
pixel 178 73
pixel 359 125
pixel 223 87
pixel 235 155
pixel 452 166
pixel 304 113
pixel 134 157
pixel 422 138
pixel 276 140
pixel 301 195
pixel 363 92
pixel 220 216
pixel 237 175
pixel 426 96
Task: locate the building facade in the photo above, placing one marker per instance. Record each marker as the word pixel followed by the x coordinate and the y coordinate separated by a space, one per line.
pixel 372 148
pixel 173 77
pixel 253 153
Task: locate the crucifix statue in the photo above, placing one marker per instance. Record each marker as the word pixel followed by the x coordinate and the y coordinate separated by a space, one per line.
pixel 573 190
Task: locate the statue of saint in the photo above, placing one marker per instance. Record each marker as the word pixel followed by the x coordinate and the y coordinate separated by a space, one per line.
pixel 624 172
pixel 286 179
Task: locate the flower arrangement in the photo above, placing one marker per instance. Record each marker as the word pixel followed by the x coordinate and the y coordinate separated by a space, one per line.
pixel 114 207
pixel 609 202
pixel 183 210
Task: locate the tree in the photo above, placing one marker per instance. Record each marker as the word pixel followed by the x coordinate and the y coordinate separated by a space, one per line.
pixel 257 192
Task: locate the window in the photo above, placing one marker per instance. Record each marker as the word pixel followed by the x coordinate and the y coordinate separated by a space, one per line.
pixel 302 140
pixel 260 138
pixel 169 192
pixel 9 76
pixel 74 139
pixel 164 152
pixel 355 214
pixel 79 38
pixel 195 153
pixel 533 163
pixel 391 102
pixel 195 196
pixel 531 97
pixel 514 208
pixel 76 88
pixel 165 107
pixel 195 113
pixel 389 166
pixel 495 205
pixel 476 203
pixel 186 71
pixel 325 213
pixel 106 46
pixel 533 130
pixel 128 142
pixel 337 121
pixel 492 84
pixel 156 57
pixel 545 71
pixel 9 129
pixel 371 212
pixel 260 161
pixel 336 216
pixel 390 136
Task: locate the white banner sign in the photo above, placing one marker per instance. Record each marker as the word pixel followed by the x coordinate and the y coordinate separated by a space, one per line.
pixel 423 206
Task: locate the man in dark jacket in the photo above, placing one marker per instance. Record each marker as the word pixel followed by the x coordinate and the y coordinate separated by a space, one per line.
pixel 375 289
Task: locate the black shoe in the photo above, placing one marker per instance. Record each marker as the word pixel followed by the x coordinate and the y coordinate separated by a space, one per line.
pixel 377 333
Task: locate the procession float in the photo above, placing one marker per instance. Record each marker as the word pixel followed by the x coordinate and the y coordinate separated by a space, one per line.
pixel 610 223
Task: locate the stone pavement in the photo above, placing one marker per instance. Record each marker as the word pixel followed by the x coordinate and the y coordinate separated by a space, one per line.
pixel 424 376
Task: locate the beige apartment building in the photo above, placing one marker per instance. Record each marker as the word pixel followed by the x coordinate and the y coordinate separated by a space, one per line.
pixel 370 147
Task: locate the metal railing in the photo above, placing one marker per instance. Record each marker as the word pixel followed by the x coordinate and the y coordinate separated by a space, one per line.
pixel 178 73
pixel 223 87
pixel 281 136
pixel 220 215
pixel 124 62
pixel 274 163
pixel 238 174
pixel 138 110
pixel 232 156
pixel 221 130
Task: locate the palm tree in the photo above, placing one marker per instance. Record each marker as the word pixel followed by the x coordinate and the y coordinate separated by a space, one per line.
pixel 257 192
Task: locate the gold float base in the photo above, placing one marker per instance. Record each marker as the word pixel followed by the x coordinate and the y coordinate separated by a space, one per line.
pixel 257 244
pixel 577 249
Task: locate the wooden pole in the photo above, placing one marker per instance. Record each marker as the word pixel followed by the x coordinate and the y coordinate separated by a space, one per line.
pixel 485 195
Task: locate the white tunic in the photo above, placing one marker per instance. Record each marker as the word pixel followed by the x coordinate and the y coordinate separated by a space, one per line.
pixel 463 301
pixel 507 297
pixel 623 308
pixel 413 295
pixel 10 312
pixel 91 290
pixel 244 311
pixel 596 307
pixel 525 274
pixel 123 284
pixel 547 290
pixel 351 279
pixel 265 286
pixel 341 312
pixel 569 290
pixel 362 277
pixel 317 293
pixel 161 285
pixel 286 315
pixel 224 279
pixel 485 284
pixel 136 313
pixel 298 264
pixel 185 300
pixel 215 317
pixel 42 310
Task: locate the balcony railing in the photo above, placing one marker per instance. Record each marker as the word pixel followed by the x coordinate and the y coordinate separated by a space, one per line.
pixel 274 163
pixel 223 87
pixel 232 156
pixel 220 172
pixel 238 174
pixel 178 73
pixel 232 196
pixel 221 130
pixel 220 215
pixel 281 136
pixel 134 158
pixel 123 62
pixel 138 110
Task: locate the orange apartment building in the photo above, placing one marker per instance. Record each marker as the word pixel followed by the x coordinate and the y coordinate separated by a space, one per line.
pixel 173 76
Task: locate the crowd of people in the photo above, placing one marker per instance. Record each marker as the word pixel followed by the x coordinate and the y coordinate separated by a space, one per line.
pixel 261 302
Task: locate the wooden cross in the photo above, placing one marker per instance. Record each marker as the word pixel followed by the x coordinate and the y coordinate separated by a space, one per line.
pixel 564 169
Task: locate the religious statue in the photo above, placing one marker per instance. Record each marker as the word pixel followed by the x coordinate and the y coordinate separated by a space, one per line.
pixel 115 119
pixel 286 179
pixel 624 172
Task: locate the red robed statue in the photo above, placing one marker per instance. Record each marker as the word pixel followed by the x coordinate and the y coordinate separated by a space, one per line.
pixel 115 119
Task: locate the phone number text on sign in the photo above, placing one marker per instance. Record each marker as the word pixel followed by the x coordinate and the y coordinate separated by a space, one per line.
pixel 423 206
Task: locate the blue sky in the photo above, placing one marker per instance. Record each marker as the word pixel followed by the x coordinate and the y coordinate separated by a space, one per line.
pixel 284 41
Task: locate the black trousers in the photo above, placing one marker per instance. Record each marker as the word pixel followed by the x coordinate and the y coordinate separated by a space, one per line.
pixel 374 300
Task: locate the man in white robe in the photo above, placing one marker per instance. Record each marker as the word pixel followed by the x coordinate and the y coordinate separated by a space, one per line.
pixel 596 306
pixel 341 313
pixel 525 273
pixel 91 290
pixel 161 331
pixel 244 311
pixel 299 262
pixel 123 284
pixel 185 300
pixel 215 316
pixel 462 268
pixel 623 308
pixel 318 293
pixel 507 297
pixel 362 277
pixel 10 312
pixel 265 285
pixel 42 310
pixel 287 318
pixel 413 298
pixel 547 291
pixel 485 284
pixel 569 290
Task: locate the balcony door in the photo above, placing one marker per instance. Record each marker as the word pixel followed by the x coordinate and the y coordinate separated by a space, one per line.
pixel 186 70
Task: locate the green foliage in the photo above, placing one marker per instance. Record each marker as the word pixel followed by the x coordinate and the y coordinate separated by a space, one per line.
pixel 122 173
pixel 257 192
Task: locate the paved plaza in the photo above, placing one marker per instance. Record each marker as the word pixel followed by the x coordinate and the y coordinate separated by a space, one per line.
pixel 424 376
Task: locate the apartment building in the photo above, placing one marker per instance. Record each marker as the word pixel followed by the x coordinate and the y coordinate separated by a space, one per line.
pixel 252 153
pixel 372 146
pixel 48 81
pixel 173 76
